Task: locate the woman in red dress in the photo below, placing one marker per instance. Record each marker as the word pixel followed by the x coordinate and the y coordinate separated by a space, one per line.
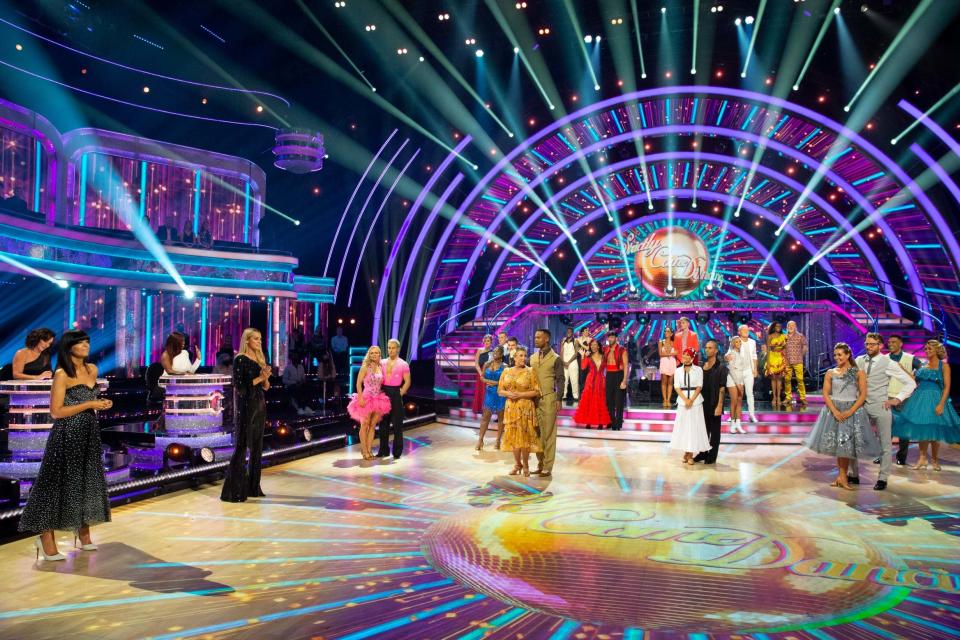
pixel 593 398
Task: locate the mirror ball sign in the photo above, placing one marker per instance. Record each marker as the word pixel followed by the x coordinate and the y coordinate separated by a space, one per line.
pixel 669 255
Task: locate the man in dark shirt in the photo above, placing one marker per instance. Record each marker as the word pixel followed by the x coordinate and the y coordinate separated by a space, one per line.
pixel 909 363
pixel 714 388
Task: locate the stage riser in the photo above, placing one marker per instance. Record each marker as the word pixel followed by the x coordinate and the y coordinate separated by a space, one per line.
pixel 640 435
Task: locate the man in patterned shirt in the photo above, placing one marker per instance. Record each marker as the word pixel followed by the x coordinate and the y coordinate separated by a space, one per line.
pixel 795 353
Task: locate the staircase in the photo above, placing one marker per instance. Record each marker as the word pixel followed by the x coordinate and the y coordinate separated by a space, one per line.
pixel 914 336
pixel 455 354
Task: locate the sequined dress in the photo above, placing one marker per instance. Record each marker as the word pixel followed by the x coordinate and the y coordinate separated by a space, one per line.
pixel 520 416
pixel 70 490
pixel 853 438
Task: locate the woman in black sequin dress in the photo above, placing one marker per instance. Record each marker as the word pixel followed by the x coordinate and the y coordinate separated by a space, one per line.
pixel 70 492
pixel 251 377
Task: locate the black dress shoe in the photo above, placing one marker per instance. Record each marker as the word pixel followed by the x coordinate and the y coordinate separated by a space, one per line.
pixel 880 486
pixel 382 454
pixel 901 461
pixel 699 458
pixel 876 460
pixel 853 479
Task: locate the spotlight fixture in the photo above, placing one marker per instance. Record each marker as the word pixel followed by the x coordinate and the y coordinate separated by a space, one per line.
pixel 602 318
pixel 544 31
pixel 786 287
pixel 470 41
pixel 176 452
pixel 340 4
pixel 703 317
pixel 616 21
pixel 588 38
pixel 738 22
pixel 837 11
pixel 402 52
pixel 749 20
pixel 663 9
pixel 643 319
pixel 516 49
pixel 204 455
pixel 63 284
pixel 443 17
pixel 614 323
pixel 745 317
pixel 479 53
pixel 521 5
pixel 146 89
pixel 370 27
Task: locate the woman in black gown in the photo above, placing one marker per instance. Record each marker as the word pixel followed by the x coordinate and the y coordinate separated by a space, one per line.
pixel 251 377
pixel 70 492
pixel 33 361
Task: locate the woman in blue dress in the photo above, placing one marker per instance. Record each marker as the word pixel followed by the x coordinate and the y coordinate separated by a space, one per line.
pixel 492 402
pixel 928 416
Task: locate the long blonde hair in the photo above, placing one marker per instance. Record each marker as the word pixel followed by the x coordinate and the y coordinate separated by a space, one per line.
pixel 367 362
pixel 248 351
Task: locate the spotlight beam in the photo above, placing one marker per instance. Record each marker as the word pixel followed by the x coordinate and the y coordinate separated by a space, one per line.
pixel 326 34
pixel 904 30
pixel 926 114
pixel 405 19
pixel 636 31
pixel 753 37
pixel 816 44
pixel 580 43
pixel 16 264
pixel 511 36
pixel 696 33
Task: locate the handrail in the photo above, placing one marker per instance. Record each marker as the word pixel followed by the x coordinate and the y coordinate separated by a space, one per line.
pixel 930 301
pixel 827 285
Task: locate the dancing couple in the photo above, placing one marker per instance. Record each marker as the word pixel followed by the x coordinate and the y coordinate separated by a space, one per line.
pixel 381 385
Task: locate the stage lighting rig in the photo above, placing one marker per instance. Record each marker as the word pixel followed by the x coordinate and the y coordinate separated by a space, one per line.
pixel 703 317
pixel 614 323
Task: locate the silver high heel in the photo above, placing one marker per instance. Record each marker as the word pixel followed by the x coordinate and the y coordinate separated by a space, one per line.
pixel 38 543
pixel 85 547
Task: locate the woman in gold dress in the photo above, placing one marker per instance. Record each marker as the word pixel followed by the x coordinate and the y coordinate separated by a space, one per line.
pixel 776 365
pixel 520 387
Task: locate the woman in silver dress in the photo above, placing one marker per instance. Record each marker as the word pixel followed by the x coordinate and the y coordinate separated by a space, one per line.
pixel 843 426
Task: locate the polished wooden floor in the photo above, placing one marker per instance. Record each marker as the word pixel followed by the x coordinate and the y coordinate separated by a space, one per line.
pixel 623 542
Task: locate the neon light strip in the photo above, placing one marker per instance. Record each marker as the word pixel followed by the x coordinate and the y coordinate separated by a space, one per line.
pixel 398 241
pixel 72 314
pixel 931 124
pixel 269 340
pixel 38 150
pixel 938 170
pixel 736 161
pixel 81 219
pixel 359 216
pixel 398 308
pixel 742 234
pixel 343 216
pixel 373 223
pixel 246 211
pixel 203 330
pixel 640 95
pixel 143 187
pixel 144 71
pixel 196 203
pixel 148 316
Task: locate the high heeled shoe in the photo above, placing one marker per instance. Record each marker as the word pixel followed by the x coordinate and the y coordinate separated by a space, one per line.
pixel 515 471
pixel 38 543
pixel 919 465
pixel 85 547
pixel 479 447
pixel 936 465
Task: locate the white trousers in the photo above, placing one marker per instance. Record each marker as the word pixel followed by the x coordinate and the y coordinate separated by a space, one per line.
pixel 571 376
pixel 748 389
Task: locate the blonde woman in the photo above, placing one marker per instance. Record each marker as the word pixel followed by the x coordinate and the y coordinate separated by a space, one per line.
pixel 519 385
pixel 251 378
pixel 929 416
pixel 369 403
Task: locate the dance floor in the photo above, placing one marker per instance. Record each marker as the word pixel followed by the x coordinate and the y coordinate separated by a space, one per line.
pixel 623 542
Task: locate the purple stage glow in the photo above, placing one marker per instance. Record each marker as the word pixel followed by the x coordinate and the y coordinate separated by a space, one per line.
pixel 939 171
pixel 398 241
pixel 815 117
pixel 685 155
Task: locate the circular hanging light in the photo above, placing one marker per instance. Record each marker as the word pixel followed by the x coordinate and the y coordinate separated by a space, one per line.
pixel 299 150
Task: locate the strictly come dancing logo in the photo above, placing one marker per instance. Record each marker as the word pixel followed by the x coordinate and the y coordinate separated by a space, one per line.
pixel 670 262
pixel 672 566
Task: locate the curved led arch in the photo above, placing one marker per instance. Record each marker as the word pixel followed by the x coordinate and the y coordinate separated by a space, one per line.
pixel 828 126
pixel 677 215
pixel 740 162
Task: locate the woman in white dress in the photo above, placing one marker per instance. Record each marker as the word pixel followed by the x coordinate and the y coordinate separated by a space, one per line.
pixel 737 364
pixel 689 427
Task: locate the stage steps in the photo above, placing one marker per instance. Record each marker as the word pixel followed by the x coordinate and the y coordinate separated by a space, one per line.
pixel 914 336
pixel 455 355
pixel 654 423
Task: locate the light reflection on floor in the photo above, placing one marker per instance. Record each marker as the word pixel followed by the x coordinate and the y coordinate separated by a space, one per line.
pixel 623 542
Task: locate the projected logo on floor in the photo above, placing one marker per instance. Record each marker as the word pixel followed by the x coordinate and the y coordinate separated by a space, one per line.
pixel 670 566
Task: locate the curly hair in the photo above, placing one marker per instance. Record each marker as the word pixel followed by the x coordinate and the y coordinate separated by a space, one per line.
pixel 938 348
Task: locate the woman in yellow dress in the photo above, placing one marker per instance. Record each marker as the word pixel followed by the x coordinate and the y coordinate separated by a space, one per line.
pixel 520 387
pixel 776 365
